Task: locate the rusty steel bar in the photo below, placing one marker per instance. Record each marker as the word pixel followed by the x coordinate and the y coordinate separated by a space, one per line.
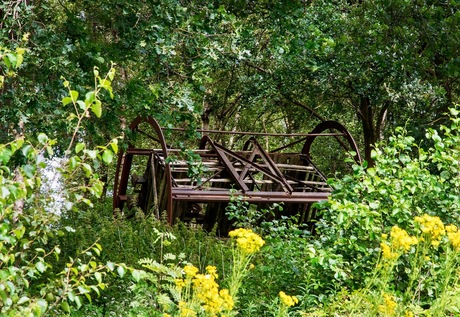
pixel 251 196
pixel 257 133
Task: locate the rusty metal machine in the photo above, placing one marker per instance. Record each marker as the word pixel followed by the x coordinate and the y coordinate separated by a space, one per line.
pixel 200 189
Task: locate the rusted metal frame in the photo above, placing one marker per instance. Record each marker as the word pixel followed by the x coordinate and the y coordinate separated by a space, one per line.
pixel 257 133
pixel 253 164
pixel 332 125
pixel 288 145
pixel 251 196
pixel 122 187
pixel 151 137
pixel 209 179
pixel 124 163
pixel 271 165
pixel 161 139
pixel 307 159
pixel 304 182
pixel 250 158
pixel 226 163
pixel 254 181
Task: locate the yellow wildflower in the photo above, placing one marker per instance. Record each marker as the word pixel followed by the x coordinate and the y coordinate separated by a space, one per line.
pixel 408 313
pixel 451 228
pixel 227 300
pixel 386 252
pixel 246 240
pixel 207 292
pixel 389 306
pixel 454 236
pixel 166 315
pixel 432 227
pixel 288 300
pixel 185 311
pixel 212 270
pixel 190 270
pixel 179 282
pixel 401 240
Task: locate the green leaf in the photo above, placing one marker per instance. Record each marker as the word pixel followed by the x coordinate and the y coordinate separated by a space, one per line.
pixel 98 277
pixel 29 170
pixel 111 73
pixel 107 156
pixel 13 59
pixel 96 107
pixel 114 145
pixel 26 150
pixel 79 147
pixel 43 304
pixel 23 300
pixel 42 138
pixel 105 83
pixel 66 101
pixel 73 162
pixel 121 271
pixel 91 153
pixel 7 62
pixel 74 95
pixel 82 104
pixel 90 97
pixel 5 192
pixel 136 275
pixel 71 296
pixel 40 266
pixel 65 306
pixel 111 266
pixel 5 155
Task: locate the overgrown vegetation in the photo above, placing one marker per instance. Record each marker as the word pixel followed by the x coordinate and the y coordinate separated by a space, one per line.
pixel 386 243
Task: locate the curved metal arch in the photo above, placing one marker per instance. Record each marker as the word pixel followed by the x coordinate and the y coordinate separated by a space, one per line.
pixel 161 139
pixel 328 125
pixel 120 187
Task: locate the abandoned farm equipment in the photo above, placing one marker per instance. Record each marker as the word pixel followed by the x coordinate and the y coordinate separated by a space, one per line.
pixel 196 185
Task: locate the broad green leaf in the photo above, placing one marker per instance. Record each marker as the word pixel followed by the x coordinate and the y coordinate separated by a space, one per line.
pixel 114 145
pixel 105 83
pixel 66 101
pixel 111 73
pixel 71 296
pixel 98 277
pixel 107 156
pixel 43 304
pixel 13 59
pixel 27 150
pixel 40 266
pixel 96 107
pixel 73 162
pixel 136 275
pixel 83 289
pixel 111 266
pixel 74 95
pixel 65 306
pixel 29 170
pixel 79 147
pixel 7 62
pixel 42 138
pixel 23 300
pixel 82 104
pixel 5 155
pixel 5 192
pixel 90 97
pixel 121 271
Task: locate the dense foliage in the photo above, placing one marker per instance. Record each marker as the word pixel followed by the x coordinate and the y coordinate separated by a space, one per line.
pixel 73 73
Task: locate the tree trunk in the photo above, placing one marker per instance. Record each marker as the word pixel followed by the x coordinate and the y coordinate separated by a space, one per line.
pixel 370 134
